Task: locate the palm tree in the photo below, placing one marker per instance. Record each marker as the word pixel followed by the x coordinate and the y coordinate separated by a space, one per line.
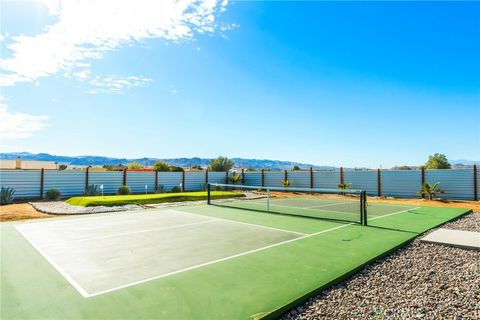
pixel 430 189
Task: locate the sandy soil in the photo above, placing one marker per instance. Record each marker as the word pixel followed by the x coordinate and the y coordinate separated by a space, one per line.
pixel 20 211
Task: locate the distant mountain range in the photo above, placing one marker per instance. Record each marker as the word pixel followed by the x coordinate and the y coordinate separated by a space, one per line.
pixel 179 162
pixel 186 162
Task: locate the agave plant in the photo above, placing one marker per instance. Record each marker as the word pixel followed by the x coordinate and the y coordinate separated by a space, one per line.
pixel 344 186
pixel 235 178
pixel 6 195
pixel 430 189
pixel 286 183
pixel 92 190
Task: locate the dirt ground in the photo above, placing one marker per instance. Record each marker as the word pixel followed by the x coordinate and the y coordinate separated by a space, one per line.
pixel 20 211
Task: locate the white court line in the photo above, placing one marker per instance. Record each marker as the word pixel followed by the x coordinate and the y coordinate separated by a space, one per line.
pixel 87 295
pixel 77 286
pixel 391 214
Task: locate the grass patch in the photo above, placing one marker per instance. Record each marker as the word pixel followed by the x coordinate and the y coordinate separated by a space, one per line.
pixel 119 200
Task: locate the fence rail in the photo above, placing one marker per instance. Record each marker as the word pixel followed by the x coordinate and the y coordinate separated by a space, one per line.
pixel 457 183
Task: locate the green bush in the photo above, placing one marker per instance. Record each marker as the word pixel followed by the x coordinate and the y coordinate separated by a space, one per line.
pixel 176 189
pixel 92 190
pixel 6 195
pixel 160 188
pixel 124 190
pixel 203 187
pixel 53 194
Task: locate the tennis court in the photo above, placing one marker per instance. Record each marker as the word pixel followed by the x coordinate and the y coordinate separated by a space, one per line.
pixel 198 261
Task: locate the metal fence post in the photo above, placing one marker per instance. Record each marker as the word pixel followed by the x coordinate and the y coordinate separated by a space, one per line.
pixel 341 175
pixel 124 182
pixel 311 178
pixel 42 181
pixel 206 176
pixel 183 181
pixel 263 177
pixel 379 183
pixel 87 173
pixel 286 175
pixel 475 183
pixel 243 176
pixel 423 181
pixel 156 181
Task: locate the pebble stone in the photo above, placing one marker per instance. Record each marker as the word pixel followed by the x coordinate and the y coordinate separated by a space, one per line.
pixel 61 207
pixel 419 281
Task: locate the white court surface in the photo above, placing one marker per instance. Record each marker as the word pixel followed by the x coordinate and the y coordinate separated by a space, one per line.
pixel 99 254
pixel 454 238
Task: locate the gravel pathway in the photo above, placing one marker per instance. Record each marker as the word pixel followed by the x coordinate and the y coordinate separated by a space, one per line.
pixel 420 281
pixel 60 207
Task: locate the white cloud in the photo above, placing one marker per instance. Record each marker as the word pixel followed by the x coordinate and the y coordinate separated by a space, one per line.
pixel 86 29
pixel 18 125
pixel 115 84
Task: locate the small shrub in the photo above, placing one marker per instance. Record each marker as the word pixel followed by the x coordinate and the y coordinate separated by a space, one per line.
pixel 344 186
pixel 92 190
pixel 160 188
pixel 123 190
pixel 6 195
pixel 235 178
pixel 52 194
pixel 176 189
pixel 203 187
pixel 431 190
pixel 286 183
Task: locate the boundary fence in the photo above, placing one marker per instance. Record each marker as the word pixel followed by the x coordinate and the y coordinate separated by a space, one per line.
pixel 457 183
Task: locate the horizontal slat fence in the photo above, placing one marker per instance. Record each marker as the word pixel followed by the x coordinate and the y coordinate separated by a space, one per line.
pixel 457 183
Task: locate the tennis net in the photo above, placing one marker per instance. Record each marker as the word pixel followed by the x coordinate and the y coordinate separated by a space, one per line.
pixel 330 204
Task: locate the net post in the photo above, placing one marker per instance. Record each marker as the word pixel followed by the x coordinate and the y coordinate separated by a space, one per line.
pixel 208 193
pixel 364 211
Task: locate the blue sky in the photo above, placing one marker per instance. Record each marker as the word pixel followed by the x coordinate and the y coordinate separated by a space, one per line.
pixel 334 83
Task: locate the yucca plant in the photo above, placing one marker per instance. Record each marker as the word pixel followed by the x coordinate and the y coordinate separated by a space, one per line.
pixel 53 194
pixel 234 179
pixel 286 183
pixel 6 195
pixel 430 189
pixel 92 190
pixel 344 186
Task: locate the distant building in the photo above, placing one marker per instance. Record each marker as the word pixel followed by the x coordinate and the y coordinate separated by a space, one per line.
pixel 19 164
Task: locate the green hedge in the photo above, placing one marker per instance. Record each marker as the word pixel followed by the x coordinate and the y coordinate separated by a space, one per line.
pixel 148 198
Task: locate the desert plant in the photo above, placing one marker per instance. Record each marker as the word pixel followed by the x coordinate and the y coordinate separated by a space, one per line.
pixel 134 166
pixel 286 183
pixel 124 190
pixel 176 189
pixel 296 168
pixel 430 189
pixel 220 164
pixel 235 178
pixel 344 186
pixel 161 166
pixel 203 187
pixel 160 188
pixel 6 195
pixel 53 194
pixel 176 169
pixel 92 190
pixel 62 167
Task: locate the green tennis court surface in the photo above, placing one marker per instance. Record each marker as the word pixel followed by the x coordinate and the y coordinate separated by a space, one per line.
pixel 195 262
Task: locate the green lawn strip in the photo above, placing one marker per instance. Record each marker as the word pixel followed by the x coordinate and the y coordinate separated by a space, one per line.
pixel 260 283
pixel 148 198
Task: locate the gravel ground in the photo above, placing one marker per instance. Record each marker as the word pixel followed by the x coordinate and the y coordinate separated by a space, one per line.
pixel 420 281
pixel 60 207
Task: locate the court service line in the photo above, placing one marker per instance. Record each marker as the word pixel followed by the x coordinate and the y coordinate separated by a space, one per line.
pixel 56 266
pixel 391 214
